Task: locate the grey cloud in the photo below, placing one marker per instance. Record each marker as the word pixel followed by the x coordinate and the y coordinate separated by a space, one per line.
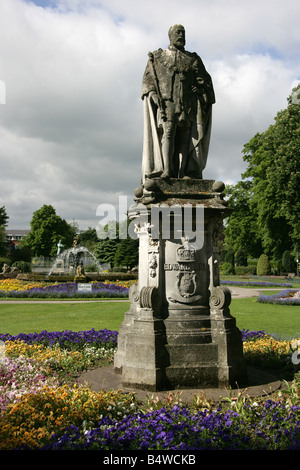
pixel 71 130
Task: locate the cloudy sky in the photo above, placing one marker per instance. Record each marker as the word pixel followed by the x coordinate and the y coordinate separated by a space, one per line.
pixel 71 118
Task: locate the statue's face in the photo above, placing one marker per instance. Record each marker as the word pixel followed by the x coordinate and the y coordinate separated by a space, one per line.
pixel 177 37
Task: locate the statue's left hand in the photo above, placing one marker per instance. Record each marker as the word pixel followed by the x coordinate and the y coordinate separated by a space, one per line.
pixel 153 96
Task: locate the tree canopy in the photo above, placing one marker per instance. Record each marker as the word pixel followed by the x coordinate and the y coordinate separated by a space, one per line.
pixel 266 201
pixel 242 229
pixel 115 247
pixel 47 228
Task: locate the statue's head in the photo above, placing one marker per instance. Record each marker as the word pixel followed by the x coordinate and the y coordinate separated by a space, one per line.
pixel 177 36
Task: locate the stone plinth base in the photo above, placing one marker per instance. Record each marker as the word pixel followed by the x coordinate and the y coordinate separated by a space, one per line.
pixel 179 331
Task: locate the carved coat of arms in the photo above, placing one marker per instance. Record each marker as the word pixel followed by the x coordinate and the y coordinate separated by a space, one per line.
pixel 186 283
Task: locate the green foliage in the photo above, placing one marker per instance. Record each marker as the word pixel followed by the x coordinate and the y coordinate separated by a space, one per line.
pixel 127 253
pixel 4 260
pixel 229 255
pixel 287 262
pixel 115 247
pixel 273 165
pixel 2 241
pixel 227 268
pixel 241 230
pixel 24 266
pixel 263 265
pixel 88 238
pixel 3 223
pixel 21 254
pixel 105 251
pixel 266 202
pixel 245 270
pixel 47 229
pixel 241 258
pixel 3 217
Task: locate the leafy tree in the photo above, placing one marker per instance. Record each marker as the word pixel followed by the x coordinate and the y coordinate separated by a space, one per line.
pixel 105 251
pixel 241 229
pixel 108 239
pixel 127 253
pixel 47 228
pixel 3 217
pixel 114 250
pixel 273 159
pixel 88 238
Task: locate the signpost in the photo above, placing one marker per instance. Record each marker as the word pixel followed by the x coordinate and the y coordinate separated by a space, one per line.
pixel 84 287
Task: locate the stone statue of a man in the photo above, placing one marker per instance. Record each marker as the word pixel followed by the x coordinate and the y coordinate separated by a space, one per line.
pixel 178 96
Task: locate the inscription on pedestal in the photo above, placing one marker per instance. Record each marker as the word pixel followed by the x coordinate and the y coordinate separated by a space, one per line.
pixel 183 267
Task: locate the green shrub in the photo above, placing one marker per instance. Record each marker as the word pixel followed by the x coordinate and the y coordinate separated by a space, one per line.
pixel 245 270
pixel 263 266
pixel 252 262
pixel 227 268
pixel 24 266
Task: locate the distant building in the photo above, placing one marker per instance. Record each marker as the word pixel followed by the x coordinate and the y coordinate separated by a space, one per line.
pixel 13 237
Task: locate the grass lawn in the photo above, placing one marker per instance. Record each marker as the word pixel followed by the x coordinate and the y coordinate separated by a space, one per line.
pixel 280 320
pixel 34 318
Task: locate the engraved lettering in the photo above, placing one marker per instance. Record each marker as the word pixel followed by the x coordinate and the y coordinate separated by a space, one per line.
pixel 183 267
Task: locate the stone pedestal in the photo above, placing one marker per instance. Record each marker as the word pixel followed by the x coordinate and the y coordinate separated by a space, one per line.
pixel 179 332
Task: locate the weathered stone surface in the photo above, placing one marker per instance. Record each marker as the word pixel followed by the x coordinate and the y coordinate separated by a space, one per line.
pixel 179 331
pixel 178 95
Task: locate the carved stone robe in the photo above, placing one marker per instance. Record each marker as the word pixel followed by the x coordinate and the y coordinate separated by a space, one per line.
pixel 185 93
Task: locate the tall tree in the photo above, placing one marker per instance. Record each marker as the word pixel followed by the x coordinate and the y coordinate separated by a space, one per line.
pixel 115 246
pixel 105 251
pixel 241 230
pixel 88 238
pixel 47 228
pixel 273 159
pixel 3 217
pixel 127 253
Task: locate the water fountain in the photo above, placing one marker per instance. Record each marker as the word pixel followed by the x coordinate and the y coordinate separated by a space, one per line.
pixel 73 262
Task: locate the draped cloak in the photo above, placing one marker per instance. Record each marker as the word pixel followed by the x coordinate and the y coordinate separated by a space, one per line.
pixel 171 75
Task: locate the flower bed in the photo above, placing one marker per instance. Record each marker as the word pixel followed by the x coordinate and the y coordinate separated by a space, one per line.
pixel 62 290
pixel 67 339
pixel 42 407
pixel 21 375
pixel 285 297
pixel 15 288
pixel 8 285
pixel 182 429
